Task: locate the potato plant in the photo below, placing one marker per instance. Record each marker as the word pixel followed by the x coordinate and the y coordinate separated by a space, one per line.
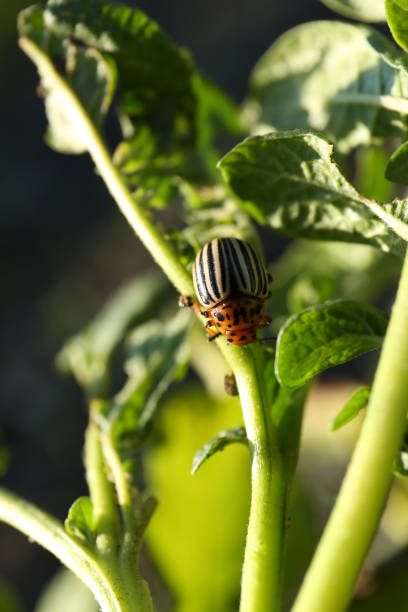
pixel 303 165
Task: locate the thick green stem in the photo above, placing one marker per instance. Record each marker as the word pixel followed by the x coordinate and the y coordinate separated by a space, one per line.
pixel 49 533
pixel 331 577
pixel 262 570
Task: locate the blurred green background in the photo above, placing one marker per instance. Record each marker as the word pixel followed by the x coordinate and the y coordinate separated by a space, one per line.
pixel 64 249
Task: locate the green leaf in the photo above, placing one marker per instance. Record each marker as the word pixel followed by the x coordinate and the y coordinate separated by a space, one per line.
pixel 369 178
pixel 155 173
pixel 364 10
pixel 157 354
pixel 140 49
pixel 345 80
pixel 223 439
pixel 352 407
pixel 397 17
pixel 324 336
pixel 87 355
pixel 91 75
pixel 310 272
pixel 288 181
pixel 157 94
pixel 215 110
pixel 79 522
pixel 397 167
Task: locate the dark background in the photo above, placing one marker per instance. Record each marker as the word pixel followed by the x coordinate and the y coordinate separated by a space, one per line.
pixel 65 247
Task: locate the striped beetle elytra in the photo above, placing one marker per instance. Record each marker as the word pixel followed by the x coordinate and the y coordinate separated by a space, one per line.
pixel 232 284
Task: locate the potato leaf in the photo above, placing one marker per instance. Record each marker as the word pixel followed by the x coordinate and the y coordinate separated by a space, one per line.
pixel 364 10
pixel 223 439
pixel 397 17
pixel 289 182
pixel 397 167
pixel 79 522
pixel 345 80
pixel 324 336
pixel 157 354
pixel 89 74
pixel 87 354
pixel 357 402
pixel 140 49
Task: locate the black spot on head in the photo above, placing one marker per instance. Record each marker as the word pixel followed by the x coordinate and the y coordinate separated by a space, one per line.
pixel 218 324
pixel 229 325
pixel 258 309
pixel 241 338
pixel 229 340
pixel 220 316
pixel 236 316
pixel 233 333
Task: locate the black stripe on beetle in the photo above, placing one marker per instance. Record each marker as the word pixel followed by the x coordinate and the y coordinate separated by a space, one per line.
pixel 226 268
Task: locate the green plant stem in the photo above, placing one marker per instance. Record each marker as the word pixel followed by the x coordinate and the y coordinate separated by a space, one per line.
pixel 106 520
pixel 331 577
pixel 136 215
pixel 50 534
pixel 262 569
pixel 261 582
pixel 133 529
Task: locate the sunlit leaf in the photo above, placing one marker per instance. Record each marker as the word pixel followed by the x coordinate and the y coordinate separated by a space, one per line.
pixel 346 80
pixel 91 76
pixel 326 335
pixel 364 10
pixel 397 17
pixel 289 182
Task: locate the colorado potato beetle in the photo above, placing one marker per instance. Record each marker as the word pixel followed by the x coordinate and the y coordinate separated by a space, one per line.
pixel 232 284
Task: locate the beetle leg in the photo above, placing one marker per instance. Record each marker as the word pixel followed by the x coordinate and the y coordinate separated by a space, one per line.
pixel 212 335
pixel 185 301
pixel 264 321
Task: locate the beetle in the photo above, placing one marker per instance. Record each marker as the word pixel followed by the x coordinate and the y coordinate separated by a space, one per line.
pixel 232 284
